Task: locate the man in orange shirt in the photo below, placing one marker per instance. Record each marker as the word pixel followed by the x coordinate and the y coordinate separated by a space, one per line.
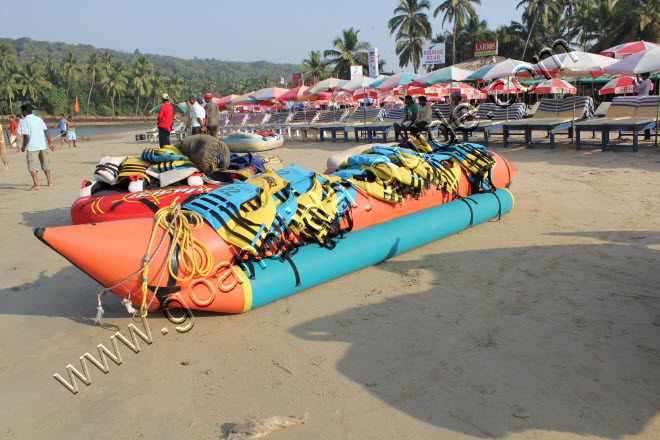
pixel 165 119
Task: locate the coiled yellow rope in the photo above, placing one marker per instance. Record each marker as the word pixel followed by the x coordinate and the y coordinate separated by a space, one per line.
pixel 195 258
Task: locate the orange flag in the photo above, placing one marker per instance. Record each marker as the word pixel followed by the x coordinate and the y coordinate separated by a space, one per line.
pixel 76 107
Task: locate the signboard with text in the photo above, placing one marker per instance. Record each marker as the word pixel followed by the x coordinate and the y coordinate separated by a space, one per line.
pixel 356 72
pixel 485 48
pixel 297 80
pixel 373 62
pixel 433 54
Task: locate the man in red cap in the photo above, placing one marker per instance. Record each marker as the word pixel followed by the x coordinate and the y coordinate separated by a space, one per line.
pixel 212 116
pixel 165 119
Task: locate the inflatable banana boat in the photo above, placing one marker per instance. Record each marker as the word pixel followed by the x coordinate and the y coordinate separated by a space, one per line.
pixel 253 142
pixel 247 244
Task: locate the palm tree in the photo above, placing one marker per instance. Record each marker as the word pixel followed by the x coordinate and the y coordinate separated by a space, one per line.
pixel 113 84
pixel 158 82
pixel 314 66
pixel 536 9
pixel 70 68
pixel 8 57
pixel 210 84
pixel 175 85
pixel 458 12
pixel 410 50
pixel 8 87
pixel 141 79
pixel 348 51
pixel 30 80
pixel 412 29
pixel 94 68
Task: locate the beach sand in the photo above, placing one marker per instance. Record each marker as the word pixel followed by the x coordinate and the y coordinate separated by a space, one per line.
pixel 544 325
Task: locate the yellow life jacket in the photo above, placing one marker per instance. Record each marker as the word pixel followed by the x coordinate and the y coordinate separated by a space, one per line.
pixel 133 166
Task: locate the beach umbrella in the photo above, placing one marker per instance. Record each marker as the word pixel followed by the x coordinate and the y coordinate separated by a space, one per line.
pixel 625 84
pixel 177 109
pixel 359 83
pixel 641 62
pixel 223 102
pixel 325 86
pixel 293 94
pixel 364 94
pixel 394 81
pixel 626 49
pixel 244 100
pixel 504 87
pixel 554 85
pixel 573 64
pixel 446 74
pixel 466 91
pixel 268 94
pixel 503 69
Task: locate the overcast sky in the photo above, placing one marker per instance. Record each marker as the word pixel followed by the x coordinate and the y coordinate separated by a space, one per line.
pixel 236 30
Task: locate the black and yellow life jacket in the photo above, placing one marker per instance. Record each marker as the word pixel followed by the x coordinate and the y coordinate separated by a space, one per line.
pixel 133 166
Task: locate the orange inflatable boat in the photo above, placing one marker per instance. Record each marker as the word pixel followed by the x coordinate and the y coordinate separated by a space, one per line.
pixel 205 271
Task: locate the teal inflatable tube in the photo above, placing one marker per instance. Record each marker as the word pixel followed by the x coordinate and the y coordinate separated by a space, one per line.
pixel 275 280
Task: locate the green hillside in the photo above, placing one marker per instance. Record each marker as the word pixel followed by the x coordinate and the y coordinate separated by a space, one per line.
pixel 42 71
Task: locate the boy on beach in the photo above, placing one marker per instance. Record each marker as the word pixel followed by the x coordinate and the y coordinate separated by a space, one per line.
pixel 71 132
pixel 63 127
pixel 13 127
pixel 37 141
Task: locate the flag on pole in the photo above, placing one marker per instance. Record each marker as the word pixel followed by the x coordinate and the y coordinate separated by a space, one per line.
pixel 76 107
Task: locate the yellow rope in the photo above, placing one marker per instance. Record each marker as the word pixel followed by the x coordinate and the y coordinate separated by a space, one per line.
pixel 175 222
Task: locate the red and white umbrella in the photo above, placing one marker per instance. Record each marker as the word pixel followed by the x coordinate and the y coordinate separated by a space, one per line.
pixel 504 88
pixel 364 94
pixel 618 86
pixel 554 85
pixel 626 49
pixel 573 64
pixel 466 91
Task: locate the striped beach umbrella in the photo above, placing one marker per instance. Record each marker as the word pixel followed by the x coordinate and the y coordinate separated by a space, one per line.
pixel 293 94
pixel 641 62
pixel 446 74
pixel 625 84
pixel 358 83
pixel 327 85
pixel 504 88
pixel 466 91
pixel 573 64
pixel 503 69
pixel 268 94
pixel 626 49
pixel 554 85
pixel 394 81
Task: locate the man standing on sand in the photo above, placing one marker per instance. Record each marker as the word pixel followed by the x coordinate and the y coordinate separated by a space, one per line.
pixel 36 140
pixel 165 120
pixel 212 116
pixel 13 127
pixel 196 116
pixel 63 127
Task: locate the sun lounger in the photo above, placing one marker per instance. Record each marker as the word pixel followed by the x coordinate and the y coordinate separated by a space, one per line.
pixel 626 114
pixel 369 131
pixel 233 124
pixel 361 115
pixel 490 117
pixel 532 110
pixel 324 117
pixel 299 123
pixel 552 115
pixel 152 135
pixel 255 121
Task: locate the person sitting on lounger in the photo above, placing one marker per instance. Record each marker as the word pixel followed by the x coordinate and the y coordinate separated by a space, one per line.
pixel 410 116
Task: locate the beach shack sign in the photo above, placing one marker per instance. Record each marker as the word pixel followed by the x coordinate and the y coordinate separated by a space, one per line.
pixel 433 54
pixel 485 48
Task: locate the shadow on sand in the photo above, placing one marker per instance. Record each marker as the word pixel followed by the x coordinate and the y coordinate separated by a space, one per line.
pixel 561 338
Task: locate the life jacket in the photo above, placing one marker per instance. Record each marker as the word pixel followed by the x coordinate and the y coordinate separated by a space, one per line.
pixel 133 166
pixel 107 170
pixel 169 153
pixel 161 167
pixel 477 163
pixel 241 213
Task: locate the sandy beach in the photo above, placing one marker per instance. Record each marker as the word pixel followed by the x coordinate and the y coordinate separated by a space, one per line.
pixel 544 325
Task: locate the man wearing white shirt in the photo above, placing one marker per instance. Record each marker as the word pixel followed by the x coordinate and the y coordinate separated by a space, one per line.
pixel 644 87
pixel 36 140
pixel 196 116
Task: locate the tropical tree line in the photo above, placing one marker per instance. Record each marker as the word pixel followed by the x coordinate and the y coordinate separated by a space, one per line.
pixel 588 25
pixel 105 85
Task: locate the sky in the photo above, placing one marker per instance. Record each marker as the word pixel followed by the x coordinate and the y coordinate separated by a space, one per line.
pixel 281 31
